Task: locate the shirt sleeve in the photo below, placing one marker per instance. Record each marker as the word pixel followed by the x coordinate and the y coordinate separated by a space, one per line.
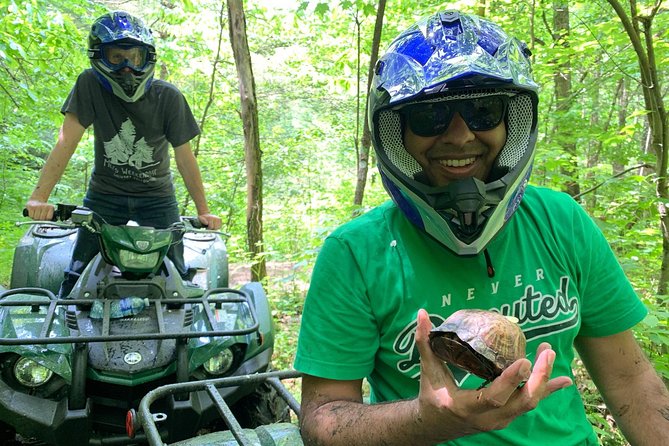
pixel 81 99
pixel 609 302
pixel 181 126
pixel 338 334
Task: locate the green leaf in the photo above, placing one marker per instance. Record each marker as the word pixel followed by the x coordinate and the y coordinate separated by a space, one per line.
pixel 322 9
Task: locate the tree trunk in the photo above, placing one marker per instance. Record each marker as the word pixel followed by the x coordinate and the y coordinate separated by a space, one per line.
pixel 642 42
pixel 480 8
pixel 252 154
pixel 562 81
pixel 366 143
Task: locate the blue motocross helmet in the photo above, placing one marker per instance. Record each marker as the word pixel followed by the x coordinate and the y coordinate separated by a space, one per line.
pixel 446 57
pixel 123 54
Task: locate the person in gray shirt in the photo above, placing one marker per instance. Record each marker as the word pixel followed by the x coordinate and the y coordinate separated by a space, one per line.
pixel 135 119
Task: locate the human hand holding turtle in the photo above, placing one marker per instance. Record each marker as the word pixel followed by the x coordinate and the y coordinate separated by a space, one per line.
pixel 453 412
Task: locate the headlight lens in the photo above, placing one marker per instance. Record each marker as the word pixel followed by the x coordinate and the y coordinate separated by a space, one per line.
pixel 221 363
pixel 131 259
pixel 31 374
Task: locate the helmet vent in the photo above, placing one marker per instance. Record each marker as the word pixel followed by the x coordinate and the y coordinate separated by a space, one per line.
pixel 519 130
pixel 390 133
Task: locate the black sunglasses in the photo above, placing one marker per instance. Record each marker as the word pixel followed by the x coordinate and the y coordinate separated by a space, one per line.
pixel 433 118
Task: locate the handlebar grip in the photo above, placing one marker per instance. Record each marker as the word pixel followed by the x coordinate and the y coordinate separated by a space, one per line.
pixel 61 212
pixel 195 222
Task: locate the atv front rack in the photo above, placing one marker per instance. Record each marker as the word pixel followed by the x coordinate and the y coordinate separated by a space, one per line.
pixel 41 297
pixel 147 421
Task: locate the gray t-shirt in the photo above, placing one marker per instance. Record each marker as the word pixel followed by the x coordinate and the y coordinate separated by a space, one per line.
pixel 132 138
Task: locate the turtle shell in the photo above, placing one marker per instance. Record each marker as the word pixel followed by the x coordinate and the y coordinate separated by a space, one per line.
pixel 479 341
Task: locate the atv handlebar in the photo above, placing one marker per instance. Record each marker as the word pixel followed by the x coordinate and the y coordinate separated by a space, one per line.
pixel 79 216
pixel 194 222
pixel 61 212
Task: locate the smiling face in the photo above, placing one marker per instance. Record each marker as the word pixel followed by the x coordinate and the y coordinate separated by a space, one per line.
pixel 457 153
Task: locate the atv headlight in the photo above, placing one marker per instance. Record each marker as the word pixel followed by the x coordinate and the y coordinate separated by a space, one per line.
pixel 221 363
pixel 131 259
pixel 31 374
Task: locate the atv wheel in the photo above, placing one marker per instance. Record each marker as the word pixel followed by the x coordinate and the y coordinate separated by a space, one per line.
pixel 263 406
pixel 20 441
pixel 7 435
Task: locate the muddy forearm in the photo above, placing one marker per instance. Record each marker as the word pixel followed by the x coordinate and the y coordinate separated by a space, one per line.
pixel 642 409
pixel 350 423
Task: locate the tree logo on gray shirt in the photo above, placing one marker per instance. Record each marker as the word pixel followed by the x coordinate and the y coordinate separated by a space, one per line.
pixel 122 150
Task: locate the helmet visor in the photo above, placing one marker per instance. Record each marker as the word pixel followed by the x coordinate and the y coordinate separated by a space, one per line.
pixel 117 56
pixel 429 119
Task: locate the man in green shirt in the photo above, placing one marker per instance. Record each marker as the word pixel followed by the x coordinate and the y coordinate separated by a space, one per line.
pixel 453 113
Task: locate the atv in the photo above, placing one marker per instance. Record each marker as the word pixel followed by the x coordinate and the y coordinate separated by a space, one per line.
pixel 71 368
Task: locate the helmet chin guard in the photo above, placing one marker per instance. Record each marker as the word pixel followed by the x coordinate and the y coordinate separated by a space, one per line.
pixel 464 204
pixel 454 56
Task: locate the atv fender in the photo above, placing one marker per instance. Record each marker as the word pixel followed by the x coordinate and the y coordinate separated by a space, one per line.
pixel 263 311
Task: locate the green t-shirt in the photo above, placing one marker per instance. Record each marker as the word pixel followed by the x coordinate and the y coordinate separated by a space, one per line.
pixel 554 271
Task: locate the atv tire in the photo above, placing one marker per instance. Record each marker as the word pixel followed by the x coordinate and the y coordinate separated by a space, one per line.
pixel 8 435
pixel 263 406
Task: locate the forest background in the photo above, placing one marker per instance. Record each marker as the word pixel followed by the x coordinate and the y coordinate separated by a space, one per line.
pixel 603 131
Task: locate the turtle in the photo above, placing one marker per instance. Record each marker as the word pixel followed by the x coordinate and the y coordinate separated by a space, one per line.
pixel 481 342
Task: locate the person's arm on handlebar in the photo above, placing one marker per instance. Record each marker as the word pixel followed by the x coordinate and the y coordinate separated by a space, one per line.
pixel 68 138
pixel 190 172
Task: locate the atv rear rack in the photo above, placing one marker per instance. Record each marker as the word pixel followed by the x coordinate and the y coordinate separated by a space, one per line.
pixel 147 421
pixel 158 305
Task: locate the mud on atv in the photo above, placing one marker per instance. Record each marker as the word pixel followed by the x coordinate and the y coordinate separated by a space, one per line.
pixel 71 369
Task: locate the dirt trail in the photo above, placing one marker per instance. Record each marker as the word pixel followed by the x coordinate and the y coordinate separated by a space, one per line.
pixel 240 273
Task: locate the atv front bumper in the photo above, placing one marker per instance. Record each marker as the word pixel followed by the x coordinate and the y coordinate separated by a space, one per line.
pixel 83 418
pixel 54 423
